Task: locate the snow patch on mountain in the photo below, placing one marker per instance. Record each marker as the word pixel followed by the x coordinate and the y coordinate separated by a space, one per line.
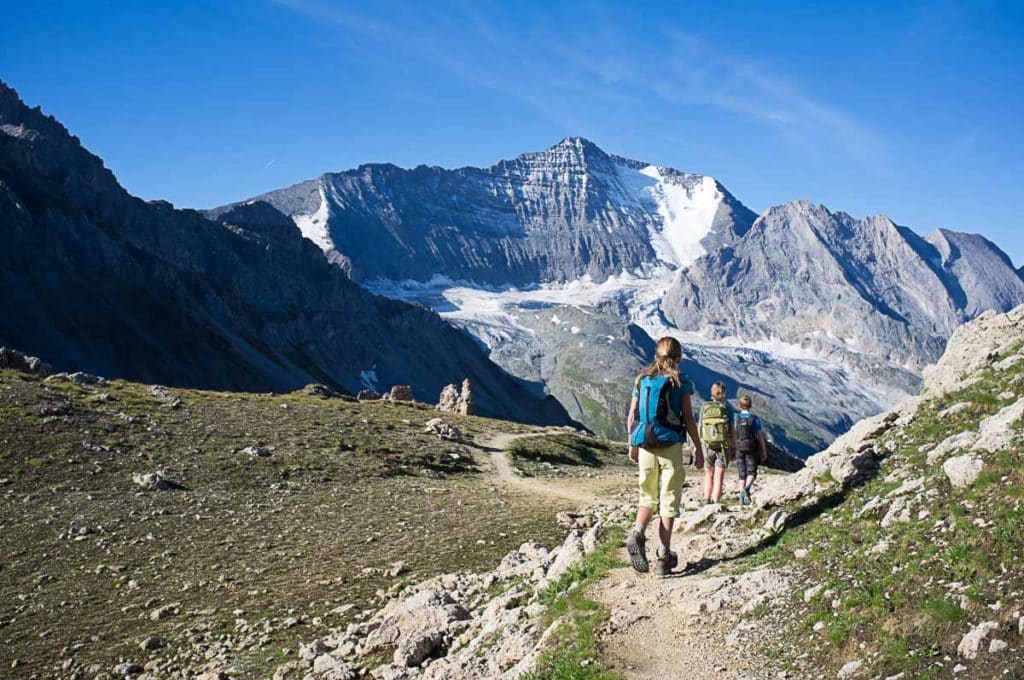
pixel 484 311
pixel 314 226
pixel 687 212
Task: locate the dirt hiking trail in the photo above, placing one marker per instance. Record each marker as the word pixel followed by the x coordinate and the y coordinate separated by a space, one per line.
pixel 584 492
pixel 687 625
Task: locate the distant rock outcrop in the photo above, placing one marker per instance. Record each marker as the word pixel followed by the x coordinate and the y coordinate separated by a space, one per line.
pixel 452 400
pixel 18 361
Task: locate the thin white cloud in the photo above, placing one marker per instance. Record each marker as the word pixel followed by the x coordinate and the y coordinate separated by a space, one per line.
pixel 559 69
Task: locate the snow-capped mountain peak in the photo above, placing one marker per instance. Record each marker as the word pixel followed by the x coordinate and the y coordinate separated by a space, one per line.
pixel 796 303
pixel 570 211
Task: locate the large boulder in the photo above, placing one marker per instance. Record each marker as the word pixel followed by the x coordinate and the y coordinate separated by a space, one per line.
pixel 972 347
pixel 962 471
pixel 416 625
pixel 399 393
pixel 151 481
pixel 443 430
pixel 79 378
pixel 570 552
pixel 971 642
pixel 449 399
pixel 319 391
pixel 996 431
pixel 954 442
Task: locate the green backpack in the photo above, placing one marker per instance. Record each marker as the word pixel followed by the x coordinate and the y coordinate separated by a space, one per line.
pixel 714 424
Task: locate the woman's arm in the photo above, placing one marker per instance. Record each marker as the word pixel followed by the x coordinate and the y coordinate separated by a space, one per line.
pixel 764 447
pixel 634 452
pixel 691 429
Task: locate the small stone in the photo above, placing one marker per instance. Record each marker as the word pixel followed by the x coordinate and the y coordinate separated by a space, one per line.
pixel 127 668
pixel 996 645
pixel 776 521
pixel 811 592
pixel 972 640
pixel 151 643
pixel 850 669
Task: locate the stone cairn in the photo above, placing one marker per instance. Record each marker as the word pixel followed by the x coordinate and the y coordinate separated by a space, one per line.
pixel 452 400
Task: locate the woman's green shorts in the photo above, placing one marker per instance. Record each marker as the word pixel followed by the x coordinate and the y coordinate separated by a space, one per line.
pixel 661 479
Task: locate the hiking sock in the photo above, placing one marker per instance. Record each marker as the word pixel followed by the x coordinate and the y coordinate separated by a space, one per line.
pixel 639 528
pixel 662 551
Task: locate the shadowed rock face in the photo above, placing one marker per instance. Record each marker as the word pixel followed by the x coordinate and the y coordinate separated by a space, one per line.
pixel 851 289
pixel 555 215
pixel 95 279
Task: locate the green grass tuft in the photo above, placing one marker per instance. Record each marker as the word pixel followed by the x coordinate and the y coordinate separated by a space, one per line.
pixel 574 654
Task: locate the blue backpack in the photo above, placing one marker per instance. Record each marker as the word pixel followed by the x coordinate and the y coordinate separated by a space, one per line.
pixel 659 424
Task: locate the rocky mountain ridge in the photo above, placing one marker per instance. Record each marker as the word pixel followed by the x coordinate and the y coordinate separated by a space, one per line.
pixel 568 212
pixel 110 284
pixel 844 286
pixel 665 252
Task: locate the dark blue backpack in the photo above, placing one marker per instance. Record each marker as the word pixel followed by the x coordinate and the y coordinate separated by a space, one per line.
pixel 659 424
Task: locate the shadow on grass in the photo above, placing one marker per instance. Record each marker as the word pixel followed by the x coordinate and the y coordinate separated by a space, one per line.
pixel 797 519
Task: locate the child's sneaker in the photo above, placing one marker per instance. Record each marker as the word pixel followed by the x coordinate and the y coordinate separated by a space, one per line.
pixel 666 564
pixel 637 549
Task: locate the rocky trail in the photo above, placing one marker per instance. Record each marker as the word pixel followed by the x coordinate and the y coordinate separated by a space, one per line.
pixel 692 623
pixel 677 626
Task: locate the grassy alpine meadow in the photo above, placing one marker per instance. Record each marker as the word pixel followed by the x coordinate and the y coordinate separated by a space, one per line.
pixel 569 454
pixel 902 597
pixel 247 554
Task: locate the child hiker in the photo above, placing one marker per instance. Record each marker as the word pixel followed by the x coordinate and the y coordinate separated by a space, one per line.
pixel 658 413
pixel 718 437
pixel 749 443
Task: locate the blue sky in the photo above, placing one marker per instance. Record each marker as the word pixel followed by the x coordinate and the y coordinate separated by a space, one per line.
pixel 909 109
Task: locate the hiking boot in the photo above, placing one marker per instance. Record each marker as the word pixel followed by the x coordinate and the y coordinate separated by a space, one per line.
pixel 637 549
pixel 666 564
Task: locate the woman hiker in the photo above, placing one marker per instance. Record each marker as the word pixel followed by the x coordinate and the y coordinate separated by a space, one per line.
pixel 658 413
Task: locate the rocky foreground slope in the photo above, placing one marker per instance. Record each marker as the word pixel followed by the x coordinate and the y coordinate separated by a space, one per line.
pixel 174 532
pixel 893 554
